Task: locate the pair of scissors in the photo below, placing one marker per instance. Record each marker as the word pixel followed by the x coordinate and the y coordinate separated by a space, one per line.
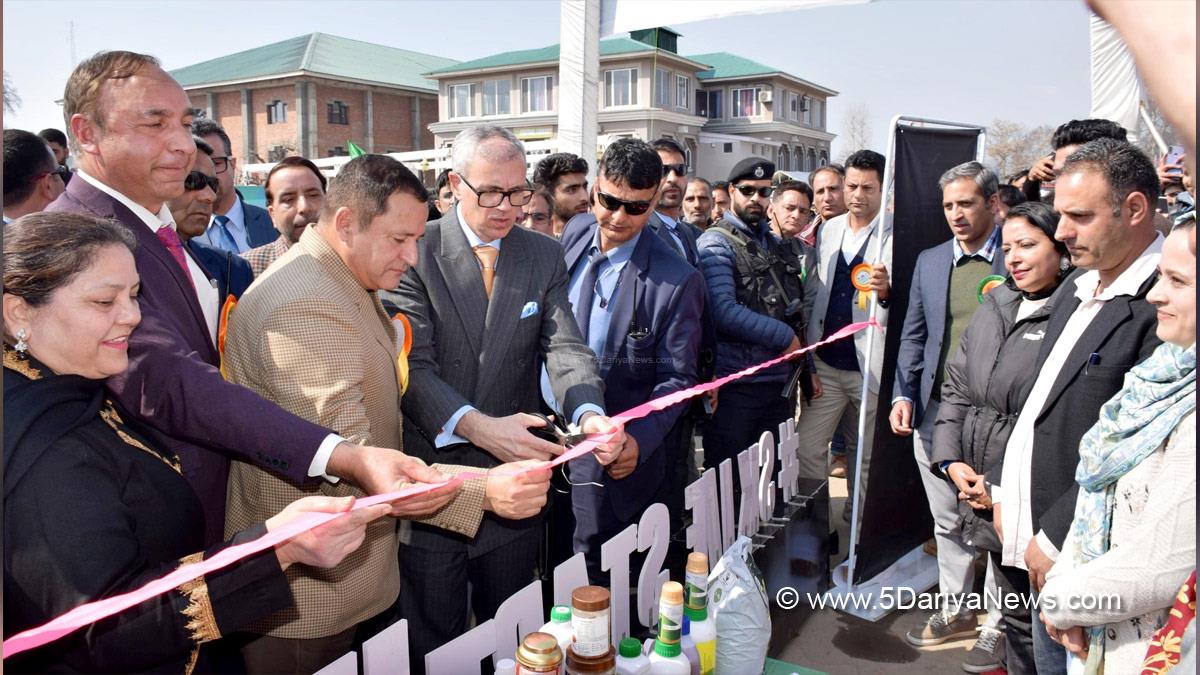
pixel 551 432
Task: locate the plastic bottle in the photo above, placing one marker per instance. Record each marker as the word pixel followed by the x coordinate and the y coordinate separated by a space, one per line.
pixel 630 659
pixel 668 658
pixel 559 626
pixel 701 629
pixel 506 667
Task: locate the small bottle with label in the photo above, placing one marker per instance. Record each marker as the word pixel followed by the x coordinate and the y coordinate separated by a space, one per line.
pixel 590 621
pixel 702 630
pixel 668 658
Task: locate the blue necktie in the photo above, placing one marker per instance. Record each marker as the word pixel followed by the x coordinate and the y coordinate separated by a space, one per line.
pixel 225 239
pixel 587 292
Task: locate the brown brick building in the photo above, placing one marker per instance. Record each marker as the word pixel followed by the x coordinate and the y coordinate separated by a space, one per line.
pixel 313 94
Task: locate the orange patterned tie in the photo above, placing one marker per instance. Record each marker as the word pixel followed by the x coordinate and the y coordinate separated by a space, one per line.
pixel 487 262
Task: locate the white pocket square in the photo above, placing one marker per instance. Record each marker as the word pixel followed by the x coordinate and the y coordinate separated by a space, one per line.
pixel 529 309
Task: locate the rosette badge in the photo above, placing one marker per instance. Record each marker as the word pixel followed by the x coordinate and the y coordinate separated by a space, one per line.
pixel 987 284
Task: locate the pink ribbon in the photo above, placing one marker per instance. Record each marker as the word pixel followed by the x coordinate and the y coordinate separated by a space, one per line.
pixel 100 609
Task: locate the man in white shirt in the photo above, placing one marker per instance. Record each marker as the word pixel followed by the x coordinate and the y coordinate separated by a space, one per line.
pixel 1106 193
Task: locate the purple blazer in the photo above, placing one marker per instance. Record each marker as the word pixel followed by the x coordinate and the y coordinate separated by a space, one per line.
pixel 174 384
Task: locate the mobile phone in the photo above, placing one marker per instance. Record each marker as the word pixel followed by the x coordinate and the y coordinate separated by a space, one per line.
pixel 1174 156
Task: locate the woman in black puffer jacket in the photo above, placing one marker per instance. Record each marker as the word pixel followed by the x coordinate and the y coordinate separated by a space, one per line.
pixel 989 377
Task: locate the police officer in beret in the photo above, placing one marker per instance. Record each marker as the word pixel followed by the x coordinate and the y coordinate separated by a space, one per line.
pixel 756 300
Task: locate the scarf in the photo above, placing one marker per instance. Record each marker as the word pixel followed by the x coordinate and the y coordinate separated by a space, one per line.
pixel 1158 393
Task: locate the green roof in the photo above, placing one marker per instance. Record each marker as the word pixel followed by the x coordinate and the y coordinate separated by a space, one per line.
pixel 319 54
pixel 609 47
pixel 726 65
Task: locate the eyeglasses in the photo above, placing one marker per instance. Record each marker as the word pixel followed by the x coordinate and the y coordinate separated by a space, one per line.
pixel 198 180
pixel 679 169
pixel 490 199
pixel 535 217
pixel 221 163
pixel 749 190
pixel 631 208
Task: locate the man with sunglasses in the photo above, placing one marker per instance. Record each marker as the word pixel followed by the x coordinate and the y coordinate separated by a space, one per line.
pixel 32 177
pixel 487 303
pixel 192 210
pixel 638 304
pixel 757 305
pixel 236 226
pixel 666 220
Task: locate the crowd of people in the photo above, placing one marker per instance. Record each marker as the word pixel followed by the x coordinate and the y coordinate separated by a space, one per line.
pixel 193 370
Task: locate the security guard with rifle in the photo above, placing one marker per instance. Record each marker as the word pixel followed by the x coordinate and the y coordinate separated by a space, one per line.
pixel 756 297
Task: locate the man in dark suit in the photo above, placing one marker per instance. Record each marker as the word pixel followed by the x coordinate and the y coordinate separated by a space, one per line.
pixel 133 141
pixel 666 221
pixel 1098 330
pixel 487 303
pixel 638 304
pixel 192 210
pixel 236 226
pixel 946 290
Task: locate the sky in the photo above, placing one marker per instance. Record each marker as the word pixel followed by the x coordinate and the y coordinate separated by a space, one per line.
pixel 956 60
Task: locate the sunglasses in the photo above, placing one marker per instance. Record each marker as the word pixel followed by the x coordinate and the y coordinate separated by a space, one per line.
pixel 679 169
pixel 60 171
pixel 198 180
pixel 631 208
pixel 749 190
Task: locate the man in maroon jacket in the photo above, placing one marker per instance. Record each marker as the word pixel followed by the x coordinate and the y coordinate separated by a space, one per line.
pixel 130 124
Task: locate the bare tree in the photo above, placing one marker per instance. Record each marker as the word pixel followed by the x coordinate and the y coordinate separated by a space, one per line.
pixel 856 129
pixel 1012 146
pixel 11 100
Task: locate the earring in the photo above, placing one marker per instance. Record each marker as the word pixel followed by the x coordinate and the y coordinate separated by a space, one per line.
pixel 22 346
pixel 1064 263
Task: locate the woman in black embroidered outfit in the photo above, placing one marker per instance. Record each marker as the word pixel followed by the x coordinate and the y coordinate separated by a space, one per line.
pixel 91 508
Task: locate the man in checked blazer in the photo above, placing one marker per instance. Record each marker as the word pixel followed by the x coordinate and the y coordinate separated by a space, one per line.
pixel 488 306
pixel 312 336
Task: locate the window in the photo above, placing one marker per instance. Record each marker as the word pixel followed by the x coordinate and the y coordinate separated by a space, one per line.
pixel 793 106
pixel 687 156
pixel 712 104
pixel 339 113
pixel 681 91
pixel 338 151
pixel 745 102
pixel 276 112
pixel 535 94
pixel 495 97
pixel 462 100
pixel 662 91
pixel 620 87
pixel 819 113
pixel 808 112
pixel 727 147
